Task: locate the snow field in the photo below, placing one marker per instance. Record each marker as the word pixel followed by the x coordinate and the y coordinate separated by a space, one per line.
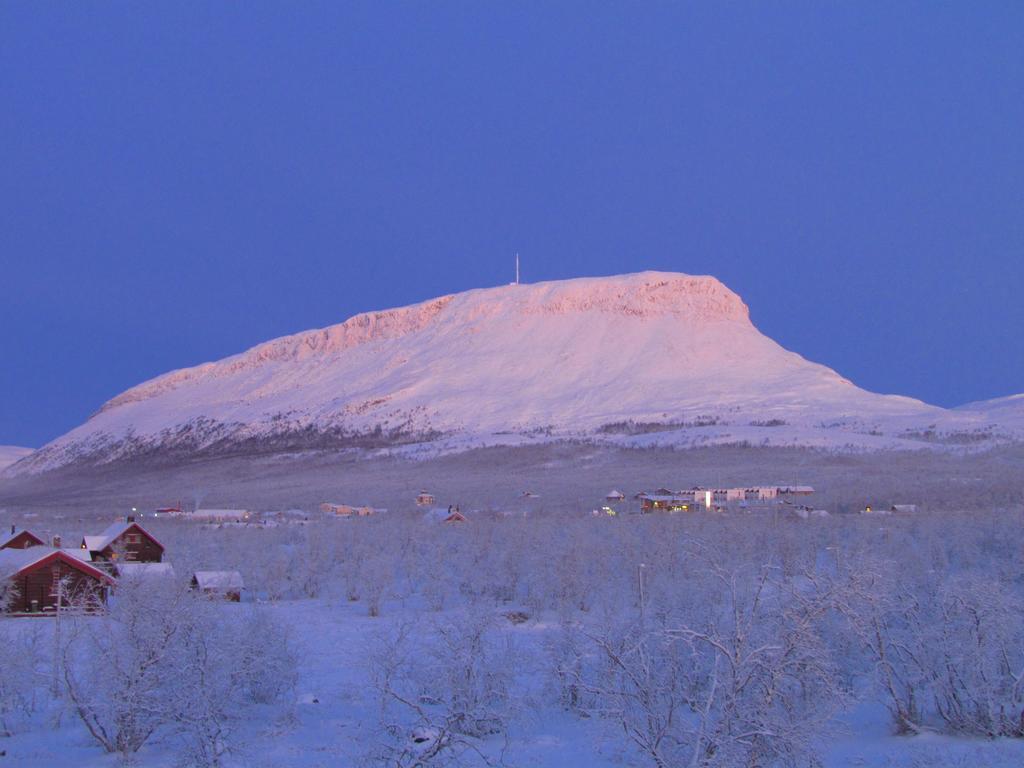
pixel 542 641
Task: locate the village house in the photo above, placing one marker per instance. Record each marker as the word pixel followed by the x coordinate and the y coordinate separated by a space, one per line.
pixel 804 512
pixel 442 515
pixel 614 497
pixel 869 510
pixel 424 499
pixel 42 579
pixel 224 585
pixel 21 540
pixel 124 541
pixel 903 508
pixel 346 510
pixel 666 503
pixel 795 490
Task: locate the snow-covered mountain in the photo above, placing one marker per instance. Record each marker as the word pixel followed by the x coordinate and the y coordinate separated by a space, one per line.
pixel 617 358
pixel 1006 412
pixel 12 453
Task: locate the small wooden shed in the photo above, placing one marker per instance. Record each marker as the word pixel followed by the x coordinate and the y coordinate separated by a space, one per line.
pixel 225 585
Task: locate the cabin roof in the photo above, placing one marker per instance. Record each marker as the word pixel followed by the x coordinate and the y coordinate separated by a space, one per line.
pixel 18 532
pixel 218 579
pixel 113 533
pixel 15 561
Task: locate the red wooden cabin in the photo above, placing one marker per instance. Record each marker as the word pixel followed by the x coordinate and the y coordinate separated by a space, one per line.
pixel 125 541
pixel 41 575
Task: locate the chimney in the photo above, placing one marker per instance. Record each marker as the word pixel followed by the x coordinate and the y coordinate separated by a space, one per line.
pixel 56 542
pixel 130 519
pixel 12 529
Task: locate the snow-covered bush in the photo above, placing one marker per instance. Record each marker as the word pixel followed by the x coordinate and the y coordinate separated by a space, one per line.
pixel 738 677
pixel 948 652
pixel 443 686
pixel 20 671
pixel 164 659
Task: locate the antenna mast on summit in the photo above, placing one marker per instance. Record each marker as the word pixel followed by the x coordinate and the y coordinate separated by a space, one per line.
pixel 517 269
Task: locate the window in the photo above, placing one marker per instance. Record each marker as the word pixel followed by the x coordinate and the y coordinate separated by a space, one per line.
pixel 132 538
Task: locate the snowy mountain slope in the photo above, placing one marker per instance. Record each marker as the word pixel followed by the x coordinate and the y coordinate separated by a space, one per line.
pixel 1005 412
pixel 12 453
pixel 567 358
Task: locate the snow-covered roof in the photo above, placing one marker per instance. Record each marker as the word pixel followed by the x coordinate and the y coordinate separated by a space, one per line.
pixel 904 507
pixel 613 494
pixel 78 553
pixel 113 533
pixel 145 570
pixel 218 580
pixel 13 561
pixel 17 532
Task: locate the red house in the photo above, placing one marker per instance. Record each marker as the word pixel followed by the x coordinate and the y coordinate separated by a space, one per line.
pixel 21 540
pixel 39 576
pixel 124 541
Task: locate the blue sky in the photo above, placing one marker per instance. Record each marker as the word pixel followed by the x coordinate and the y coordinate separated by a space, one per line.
pixel 179 181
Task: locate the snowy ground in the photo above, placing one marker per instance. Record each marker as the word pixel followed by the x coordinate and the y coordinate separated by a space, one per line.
pixel 333 639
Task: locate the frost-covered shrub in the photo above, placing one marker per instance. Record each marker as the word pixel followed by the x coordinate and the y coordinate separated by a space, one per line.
pixel 20 664
pixel 977 659
pixel 443 686
pixel 740 677
pixel 164 659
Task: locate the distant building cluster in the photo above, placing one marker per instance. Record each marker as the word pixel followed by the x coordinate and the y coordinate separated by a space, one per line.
pixel 697 498
pixel 347 510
